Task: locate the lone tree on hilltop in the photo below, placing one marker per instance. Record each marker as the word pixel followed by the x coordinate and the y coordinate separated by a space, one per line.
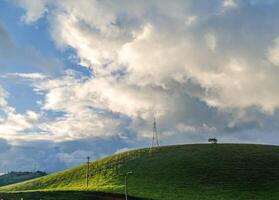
pixel 213 140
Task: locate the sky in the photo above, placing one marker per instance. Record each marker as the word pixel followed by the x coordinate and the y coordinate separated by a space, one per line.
pixel 86 78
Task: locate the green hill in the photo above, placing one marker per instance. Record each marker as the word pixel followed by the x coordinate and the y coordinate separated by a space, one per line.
pixel 192 172
pixel 16 177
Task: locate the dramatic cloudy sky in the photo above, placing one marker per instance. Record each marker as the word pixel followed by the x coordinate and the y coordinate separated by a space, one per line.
pixel 87 77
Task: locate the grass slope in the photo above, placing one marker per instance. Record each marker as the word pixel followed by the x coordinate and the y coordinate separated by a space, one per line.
pixel 208 172
pixel 16 177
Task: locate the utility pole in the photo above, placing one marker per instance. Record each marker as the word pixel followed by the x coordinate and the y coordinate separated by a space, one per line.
pixel 125 174
pixel 126 183
pixel 155 138
pixel 87 171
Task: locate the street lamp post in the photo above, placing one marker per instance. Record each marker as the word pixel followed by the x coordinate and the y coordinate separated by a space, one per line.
pixel 126 184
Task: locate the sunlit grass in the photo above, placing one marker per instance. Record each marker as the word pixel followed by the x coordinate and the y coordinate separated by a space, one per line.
pixel 222 171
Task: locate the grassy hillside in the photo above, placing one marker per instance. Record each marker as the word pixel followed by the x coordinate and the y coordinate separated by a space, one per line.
pixel 208 172
pixel 15 177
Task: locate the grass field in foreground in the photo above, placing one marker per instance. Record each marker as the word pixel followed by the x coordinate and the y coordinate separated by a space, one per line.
pixel 192 172
pixel 64 195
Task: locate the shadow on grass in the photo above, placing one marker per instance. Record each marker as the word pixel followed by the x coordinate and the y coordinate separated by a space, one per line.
pixel 64 195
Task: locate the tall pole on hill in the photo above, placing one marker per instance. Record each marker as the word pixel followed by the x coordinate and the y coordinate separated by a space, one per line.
pixel 125 174
pixel 155 138
pixel 87 171
pixel 126 184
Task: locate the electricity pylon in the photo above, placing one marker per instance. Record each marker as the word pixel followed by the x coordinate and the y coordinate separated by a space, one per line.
pixel 155 138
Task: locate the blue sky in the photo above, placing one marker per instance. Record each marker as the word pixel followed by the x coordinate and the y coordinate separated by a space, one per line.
pixel 87 78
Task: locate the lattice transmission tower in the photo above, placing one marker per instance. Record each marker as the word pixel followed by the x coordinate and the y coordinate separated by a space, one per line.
pixel 155 137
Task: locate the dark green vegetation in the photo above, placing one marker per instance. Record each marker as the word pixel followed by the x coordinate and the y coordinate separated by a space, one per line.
pixel 207 172
pixel 16 177
pixel 63 195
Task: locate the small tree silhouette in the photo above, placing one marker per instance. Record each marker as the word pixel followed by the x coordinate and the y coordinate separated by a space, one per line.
pixel 213 140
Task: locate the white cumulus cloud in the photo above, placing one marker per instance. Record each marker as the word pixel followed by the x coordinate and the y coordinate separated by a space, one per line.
pixel 151 57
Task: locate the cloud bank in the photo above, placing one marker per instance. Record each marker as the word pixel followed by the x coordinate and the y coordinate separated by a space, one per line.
pixel 146 59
